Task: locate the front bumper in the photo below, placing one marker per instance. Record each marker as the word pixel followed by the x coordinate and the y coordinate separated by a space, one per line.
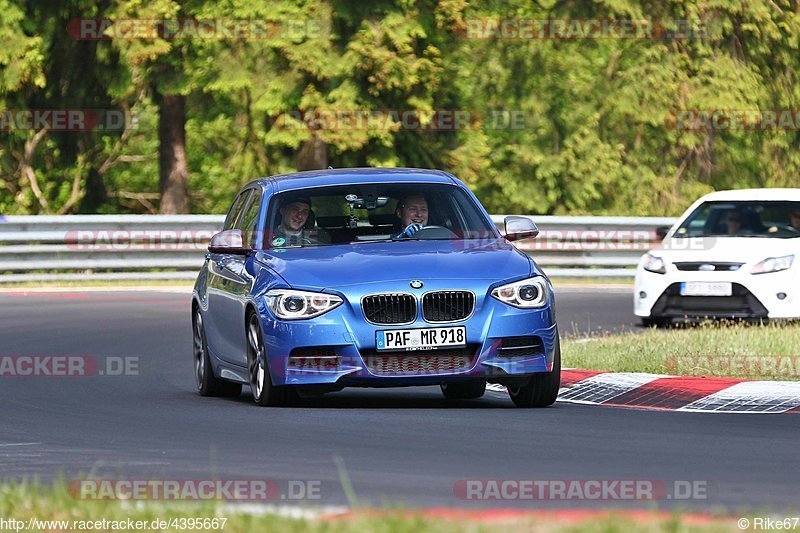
pixel 345 333
pixel 773 295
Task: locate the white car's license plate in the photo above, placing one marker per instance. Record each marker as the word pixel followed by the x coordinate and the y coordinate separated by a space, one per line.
pixel 421 339
pixel 704 288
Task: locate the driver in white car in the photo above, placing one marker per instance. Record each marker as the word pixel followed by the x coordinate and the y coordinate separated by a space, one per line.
pixel 412 210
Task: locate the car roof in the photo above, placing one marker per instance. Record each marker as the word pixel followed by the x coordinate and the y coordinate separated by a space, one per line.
pixel 753 194
pixel 349 176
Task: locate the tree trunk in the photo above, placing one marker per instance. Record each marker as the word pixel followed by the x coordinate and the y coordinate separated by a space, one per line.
pixel 313 154
pixel 173 168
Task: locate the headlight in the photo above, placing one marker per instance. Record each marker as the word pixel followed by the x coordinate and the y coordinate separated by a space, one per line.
pixel 528 293
pixel 299 305
pixel 773 264
pixel 655 264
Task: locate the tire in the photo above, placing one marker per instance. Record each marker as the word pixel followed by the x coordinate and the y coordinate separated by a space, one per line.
pixel 657 322
pixel 463 391
pixel 542 389
pixel 265 394
pixel 205 380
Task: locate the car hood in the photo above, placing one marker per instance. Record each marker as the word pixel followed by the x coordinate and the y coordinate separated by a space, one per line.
pixel 726 249
pixel 323 267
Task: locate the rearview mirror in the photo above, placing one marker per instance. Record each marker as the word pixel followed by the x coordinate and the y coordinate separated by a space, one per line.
pixel 369 201
pixel 228 242
pixel 518 228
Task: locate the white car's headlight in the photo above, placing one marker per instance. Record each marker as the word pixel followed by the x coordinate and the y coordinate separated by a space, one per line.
pixel 298 305
pixel 773 264
pixel 655 264
pixel 526 294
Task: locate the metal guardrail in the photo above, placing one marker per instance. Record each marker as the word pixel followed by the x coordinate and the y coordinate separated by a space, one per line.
pixel 142 247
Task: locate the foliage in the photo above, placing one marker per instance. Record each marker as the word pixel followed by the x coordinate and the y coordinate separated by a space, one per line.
pixel 557 126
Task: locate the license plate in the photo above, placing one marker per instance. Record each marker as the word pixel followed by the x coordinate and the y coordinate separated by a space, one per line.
pixel 421 339
pixel 703 288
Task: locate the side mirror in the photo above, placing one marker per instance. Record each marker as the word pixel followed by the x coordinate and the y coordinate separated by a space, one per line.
pixel 661 232
pixel 228 242
pixel 519 228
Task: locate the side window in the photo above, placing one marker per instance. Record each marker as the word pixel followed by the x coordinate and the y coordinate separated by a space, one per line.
pixel 232 221
pixel 250 219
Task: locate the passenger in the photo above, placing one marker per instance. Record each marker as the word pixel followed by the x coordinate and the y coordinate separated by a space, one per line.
pixel 292 230
pixel 794 219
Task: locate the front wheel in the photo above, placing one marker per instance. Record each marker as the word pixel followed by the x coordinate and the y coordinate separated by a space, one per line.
pixel 542 389
pixel 463 391
pixel 264 392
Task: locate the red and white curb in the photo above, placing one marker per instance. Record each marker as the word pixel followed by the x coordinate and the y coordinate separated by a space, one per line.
pixel 676 393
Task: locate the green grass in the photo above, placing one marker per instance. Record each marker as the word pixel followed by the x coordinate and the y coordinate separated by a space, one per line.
pixel 23 501
pixel 768 352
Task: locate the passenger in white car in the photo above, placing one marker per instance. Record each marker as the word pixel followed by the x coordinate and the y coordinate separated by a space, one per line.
pixel 794 219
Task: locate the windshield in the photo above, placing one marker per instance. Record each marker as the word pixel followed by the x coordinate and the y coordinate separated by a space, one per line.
pixel 779 220
pixel 374 212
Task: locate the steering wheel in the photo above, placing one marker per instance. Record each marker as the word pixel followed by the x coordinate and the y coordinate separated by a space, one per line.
pixel 434 233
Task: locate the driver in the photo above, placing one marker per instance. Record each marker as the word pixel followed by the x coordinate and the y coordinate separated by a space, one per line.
pixel 294 215
pixel 734 221
pixel 412 210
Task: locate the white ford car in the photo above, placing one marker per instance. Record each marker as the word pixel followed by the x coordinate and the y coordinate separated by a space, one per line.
pixel 732 254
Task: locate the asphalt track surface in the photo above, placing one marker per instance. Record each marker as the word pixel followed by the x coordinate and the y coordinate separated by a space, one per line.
pixel 398 446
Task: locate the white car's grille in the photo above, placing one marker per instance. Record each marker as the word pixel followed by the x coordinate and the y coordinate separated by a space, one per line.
pixel 709 266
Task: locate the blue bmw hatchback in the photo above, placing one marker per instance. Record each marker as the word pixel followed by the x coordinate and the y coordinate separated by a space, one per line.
pixel 371 278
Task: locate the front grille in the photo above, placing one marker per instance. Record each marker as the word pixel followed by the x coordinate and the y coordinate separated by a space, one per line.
pixel 530 346
pixel 314 358
pixel 695 266
pixel 390 308
pixel 741 304
pixel 447 306
pixel 420 363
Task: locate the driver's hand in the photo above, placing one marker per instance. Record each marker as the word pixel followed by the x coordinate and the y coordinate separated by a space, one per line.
pixel 410 230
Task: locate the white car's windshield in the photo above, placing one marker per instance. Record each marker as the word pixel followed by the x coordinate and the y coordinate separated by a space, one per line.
pixel 766 219
pixel 374 212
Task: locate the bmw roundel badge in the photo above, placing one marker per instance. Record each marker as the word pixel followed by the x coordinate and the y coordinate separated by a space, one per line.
pixel 416 284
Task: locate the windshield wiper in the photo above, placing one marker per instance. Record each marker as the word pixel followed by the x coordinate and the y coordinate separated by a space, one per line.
pixel 373 240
